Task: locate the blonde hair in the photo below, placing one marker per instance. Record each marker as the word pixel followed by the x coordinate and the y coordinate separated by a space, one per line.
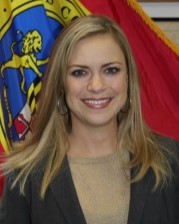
pixel 49 139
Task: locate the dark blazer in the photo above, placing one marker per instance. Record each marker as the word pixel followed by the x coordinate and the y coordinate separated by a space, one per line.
pixel 61 205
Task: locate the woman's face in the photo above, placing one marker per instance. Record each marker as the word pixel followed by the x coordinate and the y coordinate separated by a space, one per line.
pixel 96 83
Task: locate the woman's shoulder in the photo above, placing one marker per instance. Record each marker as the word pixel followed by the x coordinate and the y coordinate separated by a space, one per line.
pixel 170 148
pixel 172 145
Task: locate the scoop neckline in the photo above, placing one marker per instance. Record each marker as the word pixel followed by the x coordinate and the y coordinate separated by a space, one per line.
pixel 87 160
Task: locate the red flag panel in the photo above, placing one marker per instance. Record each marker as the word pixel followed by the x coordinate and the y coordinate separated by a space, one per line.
pixel 157 60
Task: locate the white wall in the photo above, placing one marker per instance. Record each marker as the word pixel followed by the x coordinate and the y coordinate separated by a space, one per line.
pixel 161 9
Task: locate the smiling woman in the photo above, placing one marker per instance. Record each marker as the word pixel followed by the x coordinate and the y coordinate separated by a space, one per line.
pixel 91 158
pixel 96 84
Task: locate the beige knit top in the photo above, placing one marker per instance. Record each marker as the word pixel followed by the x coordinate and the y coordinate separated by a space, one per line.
pixel 102 188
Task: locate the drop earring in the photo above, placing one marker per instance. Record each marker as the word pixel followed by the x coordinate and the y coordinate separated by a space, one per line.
pixel 61 103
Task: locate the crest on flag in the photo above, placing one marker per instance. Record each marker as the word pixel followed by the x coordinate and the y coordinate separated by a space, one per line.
pixel 22 65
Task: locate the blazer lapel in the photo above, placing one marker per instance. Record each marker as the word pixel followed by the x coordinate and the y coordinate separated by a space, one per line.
pixel 139 192
pixel 64 191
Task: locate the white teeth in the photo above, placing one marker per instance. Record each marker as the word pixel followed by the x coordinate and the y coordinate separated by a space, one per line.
pixel 97 102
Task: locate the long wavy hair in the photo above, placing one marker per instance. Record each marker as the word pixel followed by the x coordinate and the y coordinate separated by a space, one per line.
pixel 52 124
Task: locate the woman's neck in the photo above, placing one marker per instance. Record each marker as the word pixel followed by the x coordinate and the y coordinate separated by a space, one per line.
pixel 93 141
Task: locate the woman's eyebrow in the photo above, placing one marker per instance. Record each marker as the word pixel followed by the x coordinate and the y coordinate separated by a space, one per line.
pixel 111 63
pixel 77 65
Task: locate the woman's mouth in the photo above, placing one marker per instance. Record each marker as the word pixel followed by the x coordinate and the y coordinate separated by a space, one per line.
pixel 97 103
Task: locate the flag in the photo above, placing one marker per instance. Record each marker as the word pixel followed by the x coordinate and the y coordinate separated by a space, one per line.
pixel 28 30
pixel 22 66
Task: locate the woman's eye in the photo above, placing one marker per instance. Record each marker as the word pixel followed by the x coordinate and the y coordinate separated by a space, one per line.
pixel 78 73
pixel 112 70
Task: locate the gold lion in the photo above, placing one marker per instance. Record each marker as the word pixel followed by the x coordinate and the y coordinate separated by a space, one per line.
pixel 31 45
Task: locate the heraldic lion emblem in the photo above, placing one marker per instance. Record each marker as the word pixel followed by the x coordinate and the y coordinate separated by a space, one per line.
pixel 31 45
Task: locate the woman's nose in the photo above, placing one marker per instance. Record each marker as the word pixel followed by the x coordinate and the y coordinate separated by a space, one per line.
pixel 96 83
